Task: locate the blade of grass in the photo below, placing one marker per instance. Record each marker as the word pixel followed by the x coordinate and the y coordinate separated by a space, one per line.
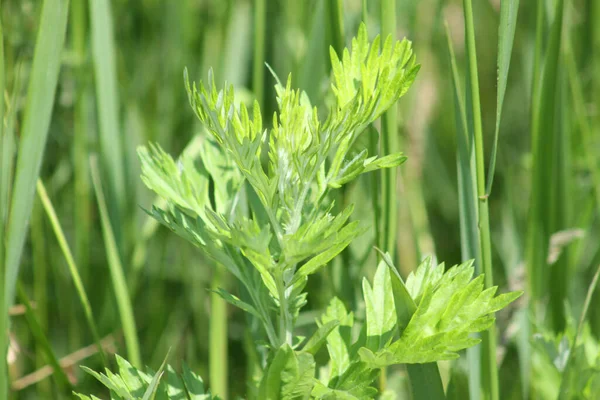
pixel 39 256
pixel 579 107
pixel 258 66
pixel 509 10
pixel 73 270
pixel 40 100
pixel 218 336
pixel 42 340
pixel 561 201
pixel 80 142
pixel 335 11
pixel 490 387
pixel 541 224
pixel 315 66
pixel 5 173
pixel 389 143
pixel 364 11
pixel 116 272
pixel 107 101
pixel 467 198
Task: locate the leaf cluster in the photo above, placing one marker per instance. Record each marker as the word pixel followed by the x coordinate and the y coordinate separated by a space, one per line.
pixel 449 307
pixel 289 230
pixel 130 383
pixel 272 225
pixel 563 370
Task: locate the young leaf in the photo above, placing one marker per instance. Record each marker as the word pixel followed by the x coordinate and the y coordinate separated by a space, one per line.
pixel 338 341
pixel 425 379
pixel 319 338
pixel 234 300
pixel 380 311
pixel 451 307
pixel 290 375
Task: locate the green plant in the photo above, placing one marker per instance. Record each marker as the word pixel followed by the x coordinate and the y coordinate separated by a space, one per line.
pixel 131 383
pixel 273 227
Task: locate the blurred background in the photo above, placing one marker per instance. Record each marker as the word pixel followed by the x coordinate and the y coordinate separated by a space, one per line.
pixel 120 85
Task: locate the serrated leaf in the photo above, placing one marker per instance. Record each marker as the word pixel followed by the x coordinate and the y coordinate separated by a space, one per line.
pixel 451 308
pixel 194 385
pixel 338 341
pixel 319 338
pixel 114 385
pixel 343 239
pixel 153 386
pixel 389 161
pixel 234 300
pixel 380 310
pixel 289 376
pixel 130 376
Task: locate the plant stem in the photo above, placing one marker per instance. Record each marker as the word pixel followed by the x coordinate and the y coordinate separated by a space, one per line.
pixel 116 272
pixel 73 270
pixel 336 24
pixel 80 139
pixel 490 369
pixel 389 145
pixel 218 336
pixel 3 214
pixel 258 67
pixel 285 323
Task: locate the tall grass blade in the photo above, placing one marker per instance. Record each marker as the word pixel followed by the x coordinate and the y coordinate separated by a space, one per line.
pixel 107 101
pixel 335 10
pixel 218 336
pixel 582 120
pixel 42 340
pixel 509 10
pixel 39 258
pixel 81 127
pixel 467 202
pixel 116 272
pixel 40 100
pixel 5 173
pixel 258 66
pixel 490 387
pixel 36 121
pixel 62 242
pixel 389 144
pixel 542 212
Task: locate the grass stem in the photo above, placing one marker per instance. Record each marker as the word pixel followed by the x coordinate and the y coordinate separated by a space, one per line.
pixel 73 270
pixel 116 273
pixel 490 369
pixel 258 67
pixel 218 336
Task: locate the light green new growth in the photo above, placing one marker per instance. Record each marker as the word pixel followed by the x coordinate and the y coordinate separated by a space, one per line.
pixel 450 306
pixel 132 384
pixel 291 231
pixel 272 226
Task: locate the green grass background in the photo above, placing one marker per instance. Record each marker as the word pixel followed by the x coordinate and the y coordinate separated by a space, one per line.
pixel 119 84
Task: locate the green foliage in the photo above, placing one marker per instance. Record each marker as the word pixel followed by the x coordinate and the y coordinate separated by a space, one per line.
pixel 272 226
pixel 450 306
pixel 565 371
pixel 129 383
pixel 291 231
